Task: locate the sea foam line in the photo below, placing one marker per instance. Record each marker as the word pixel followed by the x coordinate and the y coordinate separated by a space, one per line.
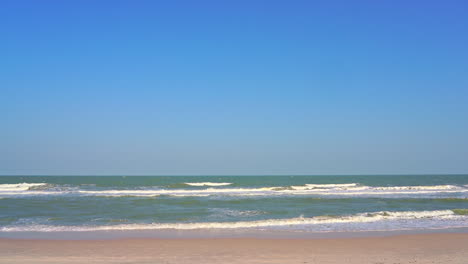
pixel 267 191
pixel 19 186
pixel 444 215
pixel 330 185
pixel 208 183
pixel 351 189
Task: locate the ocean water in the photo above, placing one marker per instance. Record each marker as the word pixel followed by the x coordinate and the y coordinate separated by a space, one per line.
pixel 299 203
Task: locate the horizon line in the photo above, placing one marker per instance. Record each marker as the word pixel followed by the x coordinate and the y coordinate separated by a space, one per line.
pixel 225 175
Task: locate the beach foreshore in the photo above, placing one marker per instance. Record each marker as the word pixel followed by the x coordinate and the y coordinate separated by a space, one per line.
pixel 413 248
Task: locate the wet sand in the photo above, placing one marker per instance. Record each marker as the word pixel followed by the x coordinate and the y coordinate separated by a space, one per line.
pixel 415 248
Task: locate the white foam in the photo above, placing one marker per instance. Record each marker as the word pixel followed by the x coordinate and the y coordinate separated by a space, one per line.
pixel 357 189
pixel 432 187
pixel 19 186
pixel 327 186
pixel 177 192
pixel 208 183
pixel 403 217
pixel 347 190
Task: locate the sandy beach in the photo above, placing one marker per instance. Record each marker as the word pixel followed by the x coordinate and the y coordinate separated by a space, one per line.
pixel 419 248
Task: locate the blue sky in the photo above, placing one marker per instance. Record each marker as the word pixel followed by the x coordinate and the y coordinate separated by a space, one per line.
pixel 233 87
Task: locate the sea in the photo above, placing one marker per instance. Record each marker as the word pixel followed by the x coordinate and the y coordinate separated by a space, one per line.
pixel 347 203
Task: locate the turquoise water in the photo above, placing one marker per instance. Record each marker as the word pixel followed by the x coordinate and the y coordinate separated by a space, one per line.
pixel 302 203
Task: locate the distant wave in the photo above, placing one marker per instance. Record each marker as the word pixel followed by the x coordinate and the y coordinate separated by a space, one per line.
pixel 15 187
pixel 329 185
pixel 346 190
pixel 351 190
pixel 356 187
pixel 400 220
pixel 208 183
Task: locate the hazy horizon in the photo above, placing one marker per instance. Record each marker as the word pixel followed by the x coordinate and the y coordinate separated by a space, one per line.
pixel 227 175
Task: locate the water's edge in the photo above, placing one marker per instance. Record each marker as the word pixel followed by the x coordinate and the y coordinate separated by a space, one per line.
pixel 213 234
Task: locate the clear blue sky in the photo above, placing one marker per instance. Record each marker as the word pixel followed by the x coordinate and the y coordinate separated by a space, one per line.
pixel 233 87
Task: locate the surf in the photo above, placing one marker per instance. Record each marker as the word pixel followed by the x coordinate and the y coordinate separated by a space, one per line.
pixel 347 190
pixel 400 217
pixel 208 183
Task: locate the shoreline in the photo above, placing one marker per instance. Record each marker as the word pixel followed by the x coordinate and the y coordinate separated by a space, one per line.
pixel 220 234
pixel 412 248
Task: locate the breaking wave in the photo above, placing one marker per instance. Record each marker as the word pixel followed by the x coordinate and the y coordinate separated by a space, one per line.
pixel 208 183
pixel 17 187
pixel 381 220
pixel 347 190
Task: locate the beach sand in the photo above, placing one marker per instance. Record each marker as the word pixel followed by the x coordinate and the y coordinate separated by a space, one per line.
pixel 419 248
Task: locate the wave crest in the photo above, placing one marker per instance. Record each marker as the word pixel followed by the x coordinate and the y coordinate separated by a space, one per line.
pixel 402 216
pixel 20 186
pixel 208 183
pixel 329 190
